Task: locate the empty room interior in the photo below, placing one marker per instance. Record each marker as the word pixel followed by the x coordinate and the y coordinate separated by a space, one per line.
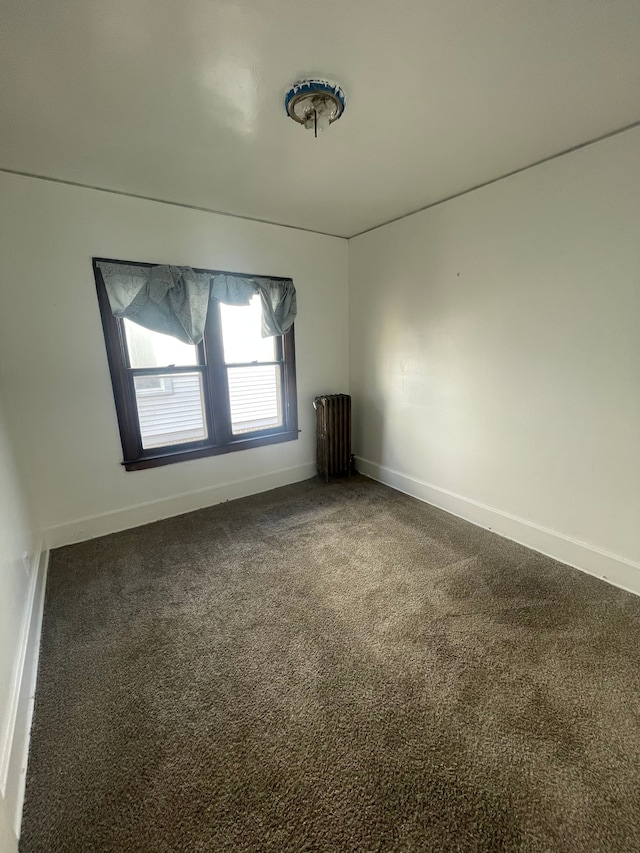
pixel 320 426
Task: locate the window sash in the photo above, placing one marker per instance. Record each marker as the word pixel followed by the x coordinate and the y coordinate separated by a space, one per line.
pixel 213 369
pixel 243 398
pixel 200 369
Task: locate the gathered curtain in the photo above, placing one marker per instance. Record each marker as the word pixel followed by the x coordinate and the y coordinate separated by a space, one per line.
pixel 175 300
pixel 278 297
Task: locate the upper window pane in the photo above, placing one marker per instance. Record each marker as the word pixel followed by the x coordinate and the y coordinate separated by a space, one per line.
pixel 241 333
pixel 151 349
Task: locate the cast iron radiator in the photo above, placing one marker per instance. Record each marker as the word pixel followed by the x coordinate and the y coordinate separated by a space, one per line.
pixel 333 434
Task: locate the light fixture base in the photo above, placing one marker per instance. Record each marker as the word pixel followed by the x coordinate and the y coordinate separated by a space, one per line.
pixel 315 103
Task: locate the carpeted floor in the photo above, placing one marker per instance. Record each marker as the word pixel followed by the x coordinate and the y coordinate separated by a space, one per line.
pixel 331 668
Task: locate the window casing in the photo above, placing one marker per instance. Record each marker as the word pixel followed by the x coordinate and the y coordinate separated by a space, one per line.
pixel 227 405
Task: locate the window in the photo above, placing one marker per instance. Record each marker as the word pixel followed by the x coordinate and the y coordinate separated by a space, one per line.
pixel 177 401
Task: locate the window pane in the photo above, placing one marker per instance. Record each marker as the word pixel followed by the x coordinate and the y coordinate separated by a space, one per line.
pixel 151 349
pixel 241 333
pixel 255 396
pixel 170 409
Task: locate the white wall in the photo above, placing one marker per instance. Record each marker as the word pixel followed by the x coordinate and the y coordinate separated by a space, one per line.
pixel 495 352
pixel 18 535
pixel 54 360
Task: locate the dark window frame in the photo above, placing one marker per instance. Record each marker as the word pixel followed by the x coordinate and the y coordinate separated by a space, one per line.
pixel 213 368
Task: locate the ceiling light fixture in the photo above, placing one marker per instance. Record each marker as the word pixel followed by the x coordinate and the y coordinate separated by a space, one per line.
pixel 315 103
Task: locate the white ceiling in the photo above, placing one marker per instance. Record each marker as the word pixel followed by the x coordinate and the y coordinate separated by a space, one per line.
pixel 182 100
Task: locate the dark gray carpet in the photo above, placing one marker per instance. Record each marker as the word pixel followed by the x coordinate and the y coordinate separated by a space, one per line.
pixel 331 668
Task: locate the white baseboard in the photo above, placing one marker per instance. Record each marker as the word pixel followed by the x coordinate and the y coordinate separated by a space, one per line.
pixel 145 513
pixel 7 736
pixel 608 567
pixel 8 840
pixel 24 697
